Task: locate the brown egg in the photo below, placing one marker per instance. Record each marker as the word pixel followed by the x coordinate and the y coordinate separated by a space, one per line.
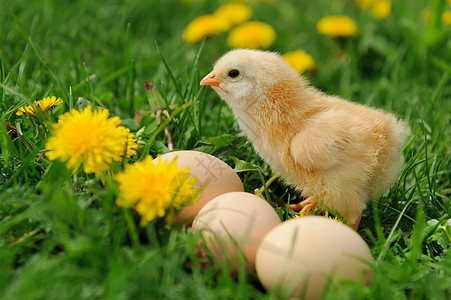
pixel 234 222
pixel 303 255
pixel 214 176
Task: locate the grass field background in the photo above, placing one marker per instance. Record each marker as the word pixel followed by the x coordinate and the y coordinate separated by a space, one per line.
pixel 62 235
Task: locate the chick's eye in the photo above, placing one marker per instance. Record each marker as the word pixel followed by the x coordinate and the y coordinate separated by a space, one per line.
pixel 234 73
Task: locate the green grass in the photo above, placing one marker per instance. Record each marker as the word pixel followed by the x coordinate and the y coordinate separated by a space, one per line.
pixel 63 237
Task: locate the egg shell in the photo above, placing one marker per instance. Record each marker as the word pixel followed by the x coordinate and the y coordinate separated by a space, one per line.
pixel 234 222
pixel 214 176
pixel 300 255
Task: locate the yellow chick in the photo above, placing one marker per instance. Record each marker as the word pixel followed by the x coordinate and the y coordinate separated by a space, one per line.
pixel 337 153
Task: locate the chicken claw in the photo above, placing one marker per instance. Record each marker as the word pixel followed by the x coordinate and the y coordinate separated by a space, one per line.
pixel 304 205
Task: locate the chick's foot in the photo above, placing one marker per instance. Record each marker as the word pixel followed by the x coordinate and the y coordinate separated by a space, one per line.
pixel 355 225
pixel 304 205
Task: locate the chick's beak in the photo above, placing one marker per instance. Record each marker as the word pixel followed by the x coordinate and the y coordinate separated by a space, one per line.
pixel 210 79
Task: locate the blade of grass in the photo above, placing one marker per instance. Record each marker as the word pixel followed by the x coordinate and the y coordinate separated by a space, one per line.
pixel 132 228
pixel 38 54
pixel 166 65
pixel 392 232
pixel 161 127
pixel 15 93
pixel 3 76
pixel 87 81
pixel 130 74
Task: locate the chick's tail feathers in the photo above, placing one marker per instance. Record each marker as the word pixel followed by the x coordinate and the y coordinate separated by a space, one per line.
pixel 392 159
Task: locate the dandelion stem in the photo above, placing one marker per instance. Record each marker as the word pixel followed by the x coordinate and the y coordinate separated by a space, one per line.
pixel 132 227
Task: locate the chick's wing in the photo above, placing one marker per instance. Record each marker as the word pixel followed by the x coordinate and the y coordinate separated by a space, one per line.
pixel 325 140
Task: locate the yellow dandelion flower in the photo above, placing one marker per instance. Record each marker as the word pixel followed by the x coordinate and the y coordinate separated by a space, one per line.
pixel 156 190
pixel 304 214
pixel 234 13
pixel 45 104
pixel 300 214
pixel 446 17
pixel 311 213
pixel 252 35
pixel 335 26
pixel 299 60
pixel 381 9
pixel 132 145
pixel 333 218
pixel 204 26
pixel 364 3
pixel 87 138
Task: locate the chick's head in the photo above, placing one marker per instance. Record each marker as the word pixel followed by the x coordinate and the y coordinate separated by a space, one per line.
pixel 243 75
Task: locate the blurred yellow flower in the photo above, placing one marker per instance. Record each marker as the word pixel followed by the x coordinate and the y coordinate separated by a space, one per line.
pixel 299 60
pixel 446 17
pixel 364 3
pixel 252 35
pixel 132 145
pixel 381 9
pixel 87 138
pixel 204 26
pixel 45 104
pixel 234 13
pixel 335 26
pixel 155 190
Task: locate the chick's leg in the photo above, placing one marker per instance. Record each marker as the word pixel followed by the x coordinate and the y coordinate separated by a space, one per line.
pixel 304 205
pixel 355 224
